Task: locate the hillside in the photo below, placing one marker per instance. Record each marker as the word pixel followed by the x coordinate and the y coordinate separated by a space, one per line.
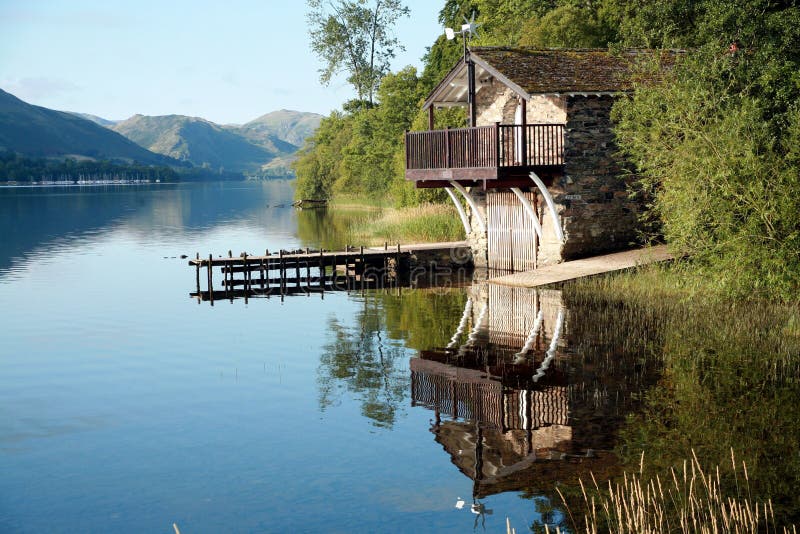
pixel 291 126
pixel 38 132
pixel 204 143
pixel 94 118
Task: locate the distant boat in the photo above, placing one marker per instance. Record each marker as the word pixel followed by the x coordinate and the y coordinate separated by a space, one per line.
pixel 308 203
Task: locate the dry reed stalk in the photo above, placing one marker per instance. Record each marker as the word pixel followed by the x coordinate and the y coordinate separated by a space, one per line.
pixel 696 502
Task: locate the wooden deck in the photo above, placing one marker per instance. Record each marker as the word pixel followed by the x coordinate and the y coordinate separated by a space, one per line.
pixel 571 270
pixel 317 271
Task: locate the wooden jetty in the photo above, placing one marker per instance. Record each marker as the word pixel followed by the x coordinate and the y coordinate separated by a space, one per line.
pixel 571 270
pixel 309 271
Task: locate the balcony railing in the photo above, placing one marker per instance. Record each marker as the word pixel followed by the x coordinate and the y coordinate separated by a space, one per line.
pixel 498 146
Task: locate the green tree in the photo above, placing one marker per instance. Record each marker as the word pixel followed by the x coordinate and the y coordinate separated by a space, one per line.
pixel 715 144
pixel 318 163
pixel 568 26
pixel 356 38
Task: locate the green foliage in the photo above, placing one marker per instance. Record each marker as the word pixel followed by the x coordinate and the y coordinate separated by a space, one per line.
pixel 567 26
pixel 318 162
pixel 358 152
pixel 352 37
pixel 715 145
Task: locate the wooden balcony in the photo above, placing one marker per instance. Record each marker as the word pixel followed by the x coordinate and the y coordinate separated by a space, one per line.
pixel 495 156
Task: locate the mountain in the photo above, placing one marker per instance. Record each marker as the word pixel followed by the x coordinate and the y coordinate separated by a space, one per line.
pixel 291 126
pixel 38 132
pixel 204 143
pixel 94 118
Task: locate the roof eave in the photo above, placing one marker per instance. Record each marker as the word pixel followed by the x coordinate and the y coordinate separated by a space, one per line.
pixel 452 75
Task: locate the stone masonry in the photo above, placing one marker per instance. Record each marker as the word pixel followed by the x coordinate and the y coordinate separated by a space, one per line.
pixel 596 210
pixel 591 199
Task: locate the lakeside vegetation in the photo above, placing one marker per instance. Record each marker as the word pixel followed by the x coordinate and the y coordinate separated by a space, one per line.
pixel 714 144
pixel 730 379
pixel 353 221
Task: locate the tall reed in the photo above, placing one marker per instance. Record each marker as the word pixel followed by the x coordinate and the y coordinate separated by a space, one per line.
pixel 688 499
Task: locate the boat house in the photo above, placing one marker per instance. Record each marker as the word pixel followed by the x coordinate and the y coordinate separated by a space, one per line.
pixel 538 165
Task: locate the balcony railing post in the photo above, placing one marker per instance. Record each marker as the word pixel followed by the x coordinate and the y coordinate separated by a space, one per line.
pixel 447 147
pixel 524 155
pixel 497 144
pixel 405 144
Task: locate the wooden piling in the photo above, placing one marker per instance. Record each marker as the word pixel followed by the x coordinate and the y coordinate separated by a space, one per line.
pixel 211 278
pixel 197 273
pixel 363 268
pixel 282 273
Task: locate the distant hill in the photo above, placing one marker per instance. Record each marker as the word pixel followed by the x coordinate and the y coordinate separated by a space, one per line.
pixel 291 126
pixel 39 132
pixel 203 143
pixel 95 119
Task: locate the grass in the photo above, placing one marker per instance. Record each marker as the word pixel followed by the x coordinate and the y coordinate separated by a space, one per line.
pixel 419 224
pixel 687 500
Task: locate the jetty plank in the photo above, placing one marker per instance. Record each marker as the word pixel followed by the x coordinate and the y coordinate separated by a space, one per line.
pixel 571 270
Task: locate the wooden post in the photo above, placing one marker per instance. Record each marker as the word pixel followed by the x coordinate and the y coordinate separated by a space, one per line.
pixel 228 273
pixel 246 278
pixel 447 147
pixel 297 272
pixel 261 273
pixel 308 273
pixel 430 118
pixel 471 89
pixel 197 273
pixel 363 268
pixel 405 149
pixel 524 155
pixel 321 270
pixel 497 144
pixel 282 273
pixel 397 263
pixel 210 279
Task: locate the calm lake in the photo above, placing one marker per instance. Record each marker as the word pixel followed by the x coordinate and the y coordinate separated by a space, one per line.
pixel 127 406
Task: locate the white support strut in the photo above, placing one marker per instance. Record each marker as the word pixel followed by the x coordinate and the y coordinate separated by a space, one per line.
pixel 461 212
pixel 529 210
pixel 471 203
pixel 551 352
pixel 462 324
pixel 550 204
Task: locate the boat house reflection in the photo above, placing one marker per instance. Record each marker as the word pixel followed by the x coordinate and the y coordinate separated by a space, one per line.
pixel 515 407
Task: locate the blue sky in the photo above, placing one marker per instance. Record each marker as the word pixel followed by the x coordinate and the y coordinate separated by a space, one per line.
pixel 228 62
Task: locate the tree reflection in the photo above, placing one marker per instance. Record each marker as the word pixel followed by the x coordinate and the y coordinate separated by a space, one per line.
pixel 369 359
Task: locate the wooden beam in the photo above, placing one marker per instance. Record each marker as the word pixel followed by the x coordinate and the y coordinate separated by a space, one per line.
pixel 524 155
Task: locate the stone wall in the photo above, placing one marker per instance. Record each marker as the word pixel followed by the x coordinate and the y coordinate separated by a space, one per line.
pixel 592 203
pixel 596 212
pixel 498 103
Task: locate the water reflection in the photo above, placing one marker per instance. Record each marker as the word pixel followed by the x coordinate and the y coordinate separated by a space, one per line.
pixel 49 217
pixel 520 402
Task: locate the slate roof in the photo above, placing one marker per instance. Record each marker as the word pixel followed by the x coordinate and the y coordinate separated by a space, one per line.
pixel 557 70
pixel 566 70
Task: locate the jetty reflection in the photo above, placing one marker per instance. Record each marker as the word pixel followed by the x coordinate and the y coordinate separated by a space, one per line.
pixel 520 399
